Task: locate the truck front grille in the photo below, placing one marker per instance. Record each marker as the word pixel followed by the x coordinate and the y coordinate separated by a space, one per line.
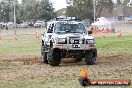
pixel 76 41
pixel 73 41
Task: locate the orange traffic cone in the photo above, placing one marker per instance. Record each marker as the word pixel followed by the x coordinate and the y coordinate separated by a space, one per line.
pixel 119 34
pixel 37 35
pixel 15 38
pixel 103 34
pixel 84 73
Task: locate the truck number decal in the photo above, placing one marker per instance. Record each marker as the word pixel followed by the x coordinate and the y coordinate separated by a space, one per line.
pixel 75 46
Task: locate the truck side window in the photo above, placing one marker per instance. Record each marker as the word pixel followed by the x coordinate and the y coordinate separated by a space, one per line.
pixel 50 29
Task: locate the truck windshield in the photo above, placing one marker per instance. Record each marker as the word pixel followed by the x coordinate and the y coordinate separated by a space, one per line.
pixel 69 28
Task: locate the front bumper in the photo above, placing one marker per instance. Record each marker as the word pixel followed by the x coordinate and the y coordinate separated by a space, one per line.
pixel 75 53
pixel 75 46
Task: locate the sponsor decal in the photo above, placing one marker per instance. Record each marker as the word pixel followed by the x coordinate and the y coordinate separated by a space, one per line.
pixel 86 81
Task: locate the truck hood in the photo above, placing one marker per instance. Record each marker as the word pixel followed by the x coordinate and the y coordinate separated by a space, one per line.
pixel 37 23
pixel 75 35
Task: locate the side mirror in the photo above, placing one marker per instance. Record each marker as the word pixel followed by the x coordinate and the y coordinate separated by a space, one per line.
pixel 50 30
pixel 42 34
pixel 90 32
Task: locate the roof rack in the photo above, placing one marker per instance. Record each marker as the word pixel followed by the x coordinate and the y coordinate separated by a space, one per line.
pixel 66 19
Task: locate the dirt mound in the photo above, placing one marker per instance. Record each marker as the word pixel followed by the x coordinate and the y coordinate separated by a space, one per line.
pixel 36 59
pixel 23 59
pixel 30 68
pixel 114 58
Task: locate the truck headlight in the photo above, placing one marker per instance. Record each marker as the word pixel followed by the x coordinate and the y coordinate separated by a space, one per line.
pixel 71 41
pixel 61 40
pixel 80 41
pixel 90 41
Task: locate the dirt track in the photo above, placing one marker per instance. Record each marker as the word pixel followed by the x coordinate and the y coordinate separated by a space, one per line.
pixel 30 67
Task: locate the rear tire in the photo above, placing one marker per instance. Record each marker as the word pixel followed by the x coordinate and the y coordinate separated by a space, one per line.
pixel 44 56
pixel 54 57
pixel 90 57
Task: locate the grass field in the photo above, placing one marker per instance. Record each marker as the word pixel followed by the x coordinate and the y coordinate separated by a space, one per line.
pixel 28 45
pixel 24 45
pixel 114 45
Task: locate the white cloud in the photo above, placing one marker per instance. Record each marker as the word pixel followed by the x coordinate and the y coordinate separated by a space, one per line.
pixel 58 4
pixel 19 0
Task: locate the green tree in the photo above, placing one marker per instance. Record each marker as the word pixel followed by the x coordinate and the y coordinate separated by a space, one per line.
pixel 71 11
pixel 26 12
pixel 84 8
pixel 34 10
pixel 124 2
pixel 46 10
pixel 102 5
pixel 6 10
pixel 81 9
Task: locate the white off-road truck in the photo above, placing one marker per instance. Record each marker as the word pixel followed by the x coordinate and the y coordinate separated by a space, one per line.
pixel 67 39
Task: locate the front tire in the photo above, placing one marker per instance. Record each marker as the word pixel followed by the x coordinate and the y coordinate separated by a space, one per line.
pixel 90 57
pixel 44 56
pixel 54 57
